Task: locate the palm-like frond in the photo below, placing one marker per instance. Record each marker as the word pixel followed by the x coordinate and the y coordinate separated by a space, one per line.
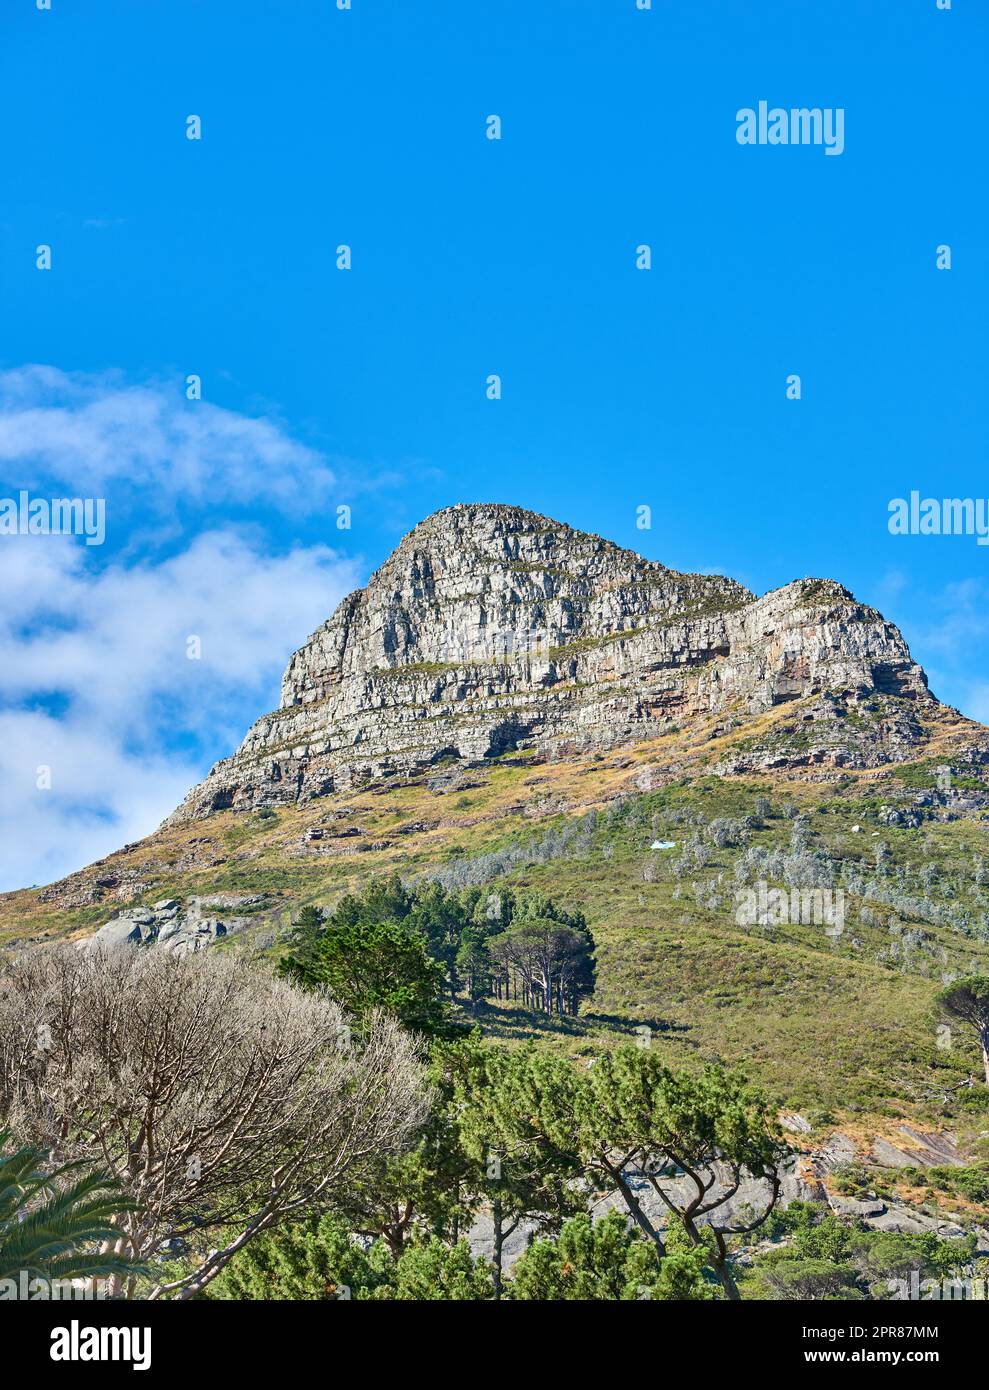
pixel 53 1221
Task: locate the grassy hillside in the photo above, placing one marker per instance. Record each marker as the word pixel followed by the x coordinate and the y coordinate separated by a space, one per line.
pixel 837 1027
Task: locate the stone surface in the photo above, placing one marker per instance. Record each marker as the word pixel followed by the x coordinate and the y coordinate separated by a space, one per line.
pixel 838 1149
pixel 904 1220
pixel 917 1150
pixel 856 1206
pixel 751 1197
pixel 491 628
pixel 122 931
pixel 171 928
pixel 796 1123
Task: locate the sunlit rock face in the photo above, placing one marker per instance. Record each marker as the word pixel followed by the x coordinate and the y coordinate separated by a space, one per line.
pixel 491 628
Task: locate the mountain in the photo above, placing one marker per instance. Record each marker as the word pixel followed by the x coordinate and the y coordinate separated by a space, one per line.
pixel 511 701
pixel 492 629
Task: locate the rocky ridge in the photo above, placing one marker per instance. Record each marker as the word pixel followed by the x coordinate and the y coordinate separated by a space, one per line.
pixel 491 629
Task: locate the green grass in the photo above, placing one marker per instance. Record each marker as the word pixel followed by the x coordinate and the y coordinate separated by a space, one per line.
pixel 922 776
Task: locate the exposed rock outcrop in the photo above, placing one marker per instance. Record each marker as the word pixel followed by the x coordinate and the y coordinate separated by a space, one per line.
pixel 170 925
pixel 491 628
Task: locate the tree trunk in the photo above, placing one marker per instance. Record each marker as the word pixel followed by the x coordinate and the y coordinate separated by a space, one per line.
pixel 727 1280
pixel 499 1242
pixel 719 1262
pixel 395 1232
pixel 634 1208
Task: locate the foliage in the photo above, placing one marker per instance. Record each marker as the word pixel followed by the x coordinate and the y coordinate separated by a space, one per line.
pixel 222 1100
pixel 432 1187
pixel 791 1278
pixel 970 1182
pixel 967 1000
pixel 319 1260
pixel 549 951
pixel 316 1260
pixel 606 1260
pixel 58 1222
pixel 403 949
pixel 368 965
pixel 432 1271
pixel 630 1114
pixel 519 1177
pixel 822 1256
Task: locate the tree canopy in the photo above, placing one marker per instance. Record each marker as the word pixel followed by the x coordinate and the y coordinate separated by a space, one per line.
pixel 412 951
pixel 967 1000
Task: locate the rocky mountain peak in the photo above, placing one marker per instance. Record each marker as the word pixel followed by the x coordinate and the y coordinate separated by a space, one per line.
pixel 492 628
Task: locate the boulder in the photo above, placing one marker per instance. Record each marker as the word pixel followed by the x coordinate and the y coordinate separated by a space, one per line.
pixel 122 931
pixel 168 928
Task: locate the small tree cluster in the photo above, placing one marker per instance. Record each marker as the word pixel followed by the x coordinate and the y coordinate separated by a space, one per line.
pixel 406 950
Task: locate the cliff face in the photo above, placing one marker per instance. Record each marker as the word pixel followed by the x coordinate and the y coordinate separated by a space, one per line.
pixel 491 628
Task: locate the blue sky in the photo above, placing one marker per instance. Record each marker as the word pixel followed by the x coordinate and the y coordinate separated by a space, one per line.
pixel 470 256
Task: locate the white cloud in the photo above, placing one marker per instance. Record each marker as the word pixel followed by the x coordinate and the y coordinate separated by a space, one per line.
pixel 95 680
pixel 98 685
pixel 93 431
pixel 974 700
pixel 101 796
pixel 947 626
pixel 891 586
pixel 958 618
pixel 115 638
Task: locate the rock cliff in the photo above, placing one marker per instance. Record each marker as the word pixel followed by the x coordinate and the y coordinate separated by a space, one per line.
pixel 491 628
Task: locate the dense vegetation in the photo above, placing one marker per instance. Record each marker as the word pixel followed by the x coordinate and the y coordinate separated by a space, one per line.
pixel 404 949
pixel 817 1255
